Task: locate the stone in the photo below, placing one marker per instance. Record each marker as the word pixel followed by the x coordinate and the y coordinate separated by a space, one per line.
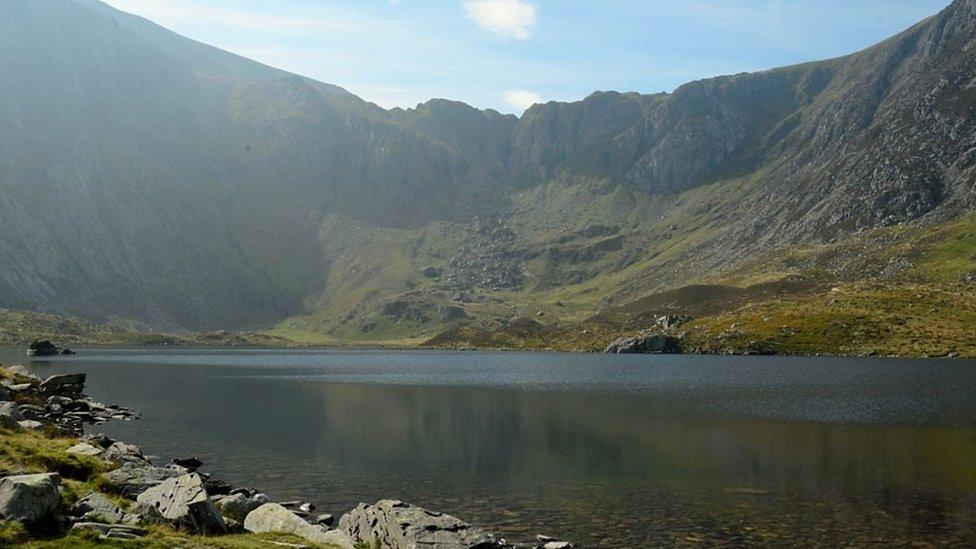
pixel 111 531
pixel 99 439
pixel 325 519
pixel 31 425
pixel 10 416
pixel 306 507
pixel 184 503
pixel 20 370
pixel 237 506
pixel 190 464
pixel 122 453
pixel 95 507
pixel 85 449
pixel 64 385
pixel 397 525
pixel 272 517
pixel 135 478
pixel 30 498
pixel 557 545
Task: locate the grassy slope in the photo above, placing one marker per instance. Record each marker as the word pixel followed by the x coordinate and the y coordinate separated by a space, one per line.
pixel 905 291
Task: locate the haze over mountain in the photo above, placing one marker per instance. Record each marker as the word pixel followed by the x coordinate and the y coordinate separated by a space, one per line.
pixel 150 179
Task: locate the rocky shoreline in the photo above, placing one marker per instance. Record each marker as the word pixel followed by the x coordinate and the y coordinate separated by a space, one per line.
pixel 135 496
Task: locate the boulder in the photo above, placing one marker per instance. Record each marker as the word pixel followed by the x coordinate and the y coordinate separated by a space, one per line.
pixel 135 478
pixel 71 385
pixel 272 517
pixel 238 506
pixel 184 504
pixel 397 525
pixel 85 449
pixel 95 506
pixel 111 531
pixel 29 498
pixel 31 425
pixel 122 453
pixel 645 344
pixel 190 464
pixel 10 416
pixel 20 370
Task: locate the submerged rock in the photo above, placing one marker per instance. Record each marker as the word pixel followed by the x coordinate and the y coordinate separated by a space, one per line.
pixel 272 517
pixel 42 347
pixel 397 525
pixel 29 498
pixel 184 504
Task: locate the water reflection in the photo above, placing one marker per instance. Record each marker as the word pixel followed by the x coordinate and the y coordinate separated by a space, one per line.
pixel 603 467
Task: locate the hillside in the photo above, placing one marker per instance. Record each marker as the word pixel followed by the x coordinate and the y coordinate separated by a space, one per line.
pixel 150 180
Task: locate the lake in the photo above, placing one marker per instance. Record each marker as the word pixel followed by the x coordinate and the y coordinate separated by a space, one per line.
pixel 606 451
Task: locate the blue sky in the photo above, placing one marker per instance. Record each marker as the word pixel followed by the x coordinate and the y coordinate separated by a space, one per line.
pixel 506 54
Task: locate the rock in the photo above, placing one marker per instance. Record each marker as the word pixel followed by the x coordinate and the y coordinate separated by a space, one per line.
pixel 20 370
pixel 64 385
pixel 557 545
pixel 10 416
pixel 135 478
pixel 184 503
pixel 306 507
pixel 190 464
pixel 272 517
pixel 433 272
pixel 29 498
pixel 97 507
pixel 647 344
pixel 31 425
pixel 111 531
pixel 398 525
pixel 99 439
pixel 325 520
pixel 85 449
pixel 42 348
pixel 121 453
pixel 237 506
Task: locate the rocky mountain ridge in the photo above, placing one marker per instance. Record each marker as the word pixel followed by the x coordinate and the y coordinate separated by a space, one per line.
pixel 123 144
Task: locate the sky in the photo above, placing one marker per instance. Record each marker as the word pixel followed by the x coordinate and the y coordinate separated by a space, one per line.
pixel 509 54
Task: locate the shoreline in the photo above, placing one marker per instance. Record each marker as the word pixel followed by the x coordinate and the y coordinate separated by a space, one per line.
pixel 99 490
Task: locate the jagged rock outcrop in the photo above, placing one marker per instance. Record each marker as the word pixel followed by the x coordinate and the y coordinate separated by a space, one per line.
pixel 645 344
pixel 183 503
pixel 397 525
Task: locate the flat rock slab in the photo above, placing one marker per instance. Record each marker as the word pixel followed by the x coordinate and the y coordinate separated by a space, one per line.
pixel 272 517
pixel 95 506
pixel 397 525
pixel 85 449
pixel 183 502
pixel 136 478
pixel 29 498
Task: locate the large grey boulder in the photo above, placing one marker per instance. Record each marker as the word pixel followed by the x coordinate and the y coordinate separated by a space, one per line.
pixel 95 507
pixel 10 416
pixel 122 453
pixel 135 478
pixel 238 506
pixel 272 517
pixel 29 498
pixel 71 385
pixel 397 525
pixel 183 502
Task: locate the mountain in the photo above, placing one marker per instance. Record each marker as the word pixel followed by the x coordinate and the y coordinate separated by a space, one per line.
pixel 152 180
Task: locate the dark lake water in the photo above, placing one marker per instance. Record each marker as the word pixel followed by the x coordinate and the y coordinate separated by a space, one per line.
pixel 607 451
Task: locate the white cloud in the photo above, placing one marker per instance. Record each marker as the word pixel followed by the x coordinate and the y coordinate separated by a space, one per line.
pixel 522 99
pixel 508 18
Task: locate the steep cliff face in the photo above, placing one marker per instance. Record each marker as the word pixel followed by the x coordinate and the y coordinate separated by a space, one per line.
pixel 150 178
